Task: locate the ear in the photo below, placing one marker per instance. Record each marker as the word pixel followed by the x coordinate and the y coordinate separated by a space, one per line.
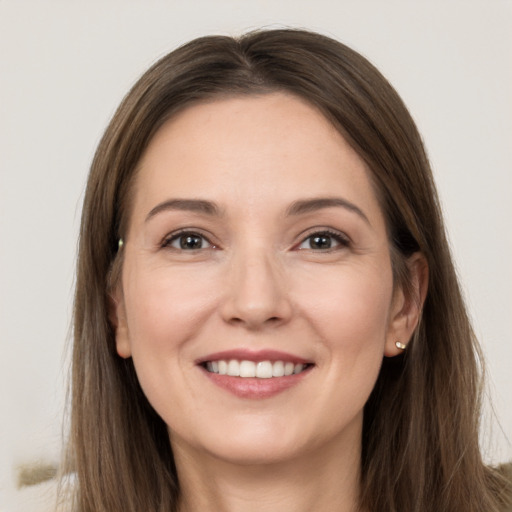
pixel 117 318
pixel 407 306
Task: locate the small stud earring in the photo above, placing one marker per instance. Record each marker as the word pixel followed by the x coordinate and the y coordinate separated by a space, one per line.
pixel 399 345
pixel 120 244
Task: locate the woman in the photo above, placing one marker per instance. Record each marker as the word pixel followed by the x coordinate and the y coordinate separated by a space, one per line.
pixel 267 316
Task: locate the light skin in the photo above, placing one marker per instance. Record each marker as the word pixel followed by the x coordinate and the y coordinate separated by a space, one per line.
pixel 287 250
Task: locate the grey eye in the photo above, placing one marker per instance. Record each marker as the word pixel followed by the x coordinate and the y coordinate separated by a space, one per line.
pixel 323 241
pixel 319 242
pixel 189 242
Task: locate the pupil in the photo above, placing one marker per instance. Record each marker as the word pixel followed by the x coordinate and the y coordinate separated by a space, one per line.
pixel 321 242
pixel 190 242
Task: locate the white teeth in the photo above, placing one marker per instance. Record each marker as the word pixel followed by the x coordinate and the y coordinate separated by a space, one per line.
pixel 247 369
pixel 278 369
pixel 223 367
pixel 261 369
pixel 264 370
pixel 298 368
pixel 234 368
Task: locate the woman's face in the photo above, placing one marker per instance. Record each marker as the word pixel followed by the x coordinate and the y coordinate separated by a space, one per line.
pixel 256 245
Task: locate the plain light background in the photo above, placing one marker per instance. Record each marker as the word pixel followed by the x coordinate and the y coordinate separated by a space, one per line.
pixel 64 67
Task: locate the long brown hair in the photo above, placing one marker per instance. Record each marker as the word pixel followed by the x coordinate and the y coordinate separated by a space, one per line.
pixel 420 433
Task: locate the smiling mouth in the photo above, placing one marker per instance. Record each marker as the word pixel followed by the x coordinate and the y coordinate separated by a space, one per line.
pixel 254 369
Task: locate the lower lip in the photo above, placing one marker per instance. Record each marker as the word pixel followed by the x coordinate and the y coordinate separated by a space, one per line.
pixel 254 388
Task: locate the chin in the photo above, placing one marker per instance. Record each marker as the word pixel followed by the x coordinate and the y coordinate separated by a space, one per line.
pixel 266 439
pixel 246 441
pixel 245 452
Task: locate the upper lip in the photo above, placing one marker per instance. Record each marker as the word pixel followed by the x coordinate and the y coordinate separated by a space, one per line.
pixel 253 355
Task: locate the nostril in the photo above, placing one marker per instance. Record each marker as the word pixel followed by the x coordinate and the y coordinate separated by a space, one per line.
pixel 255 323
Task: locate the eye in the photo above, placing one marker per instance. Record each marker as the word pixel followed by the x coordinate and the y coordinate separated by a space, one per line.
pixel 324 241
pixel 188 241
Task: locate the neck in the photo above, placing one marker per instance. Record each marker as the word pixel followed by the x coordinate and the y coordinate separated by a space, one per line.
pixel 323 480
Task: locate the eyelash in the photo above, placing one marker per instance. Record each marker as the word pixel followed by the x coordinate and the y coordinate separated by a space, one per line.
pixel 341 239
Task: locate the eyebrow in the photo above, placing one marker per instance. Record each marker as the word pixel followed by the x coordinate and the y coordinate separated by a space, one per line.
pixel 299 207
pixel 311 205
pixel 189 205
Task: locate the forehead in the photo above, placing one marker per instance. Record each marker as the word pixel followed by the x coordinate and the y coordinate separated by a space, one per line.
pixel 253 149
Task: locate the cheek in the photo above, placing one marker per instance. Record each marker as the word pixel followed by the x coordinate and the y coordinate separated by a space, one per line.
pixel 349 311
pixel 349 299
pixel 165 310
pixel 165 307
pixel 347 314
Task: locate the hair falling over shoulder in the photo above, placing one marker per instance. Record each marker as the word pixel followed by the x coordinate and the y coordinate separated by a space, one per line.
pixel 421 423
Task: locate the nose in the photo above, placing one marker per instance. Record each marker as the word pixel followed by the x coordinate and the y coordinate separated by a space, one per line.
pixel 256 292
